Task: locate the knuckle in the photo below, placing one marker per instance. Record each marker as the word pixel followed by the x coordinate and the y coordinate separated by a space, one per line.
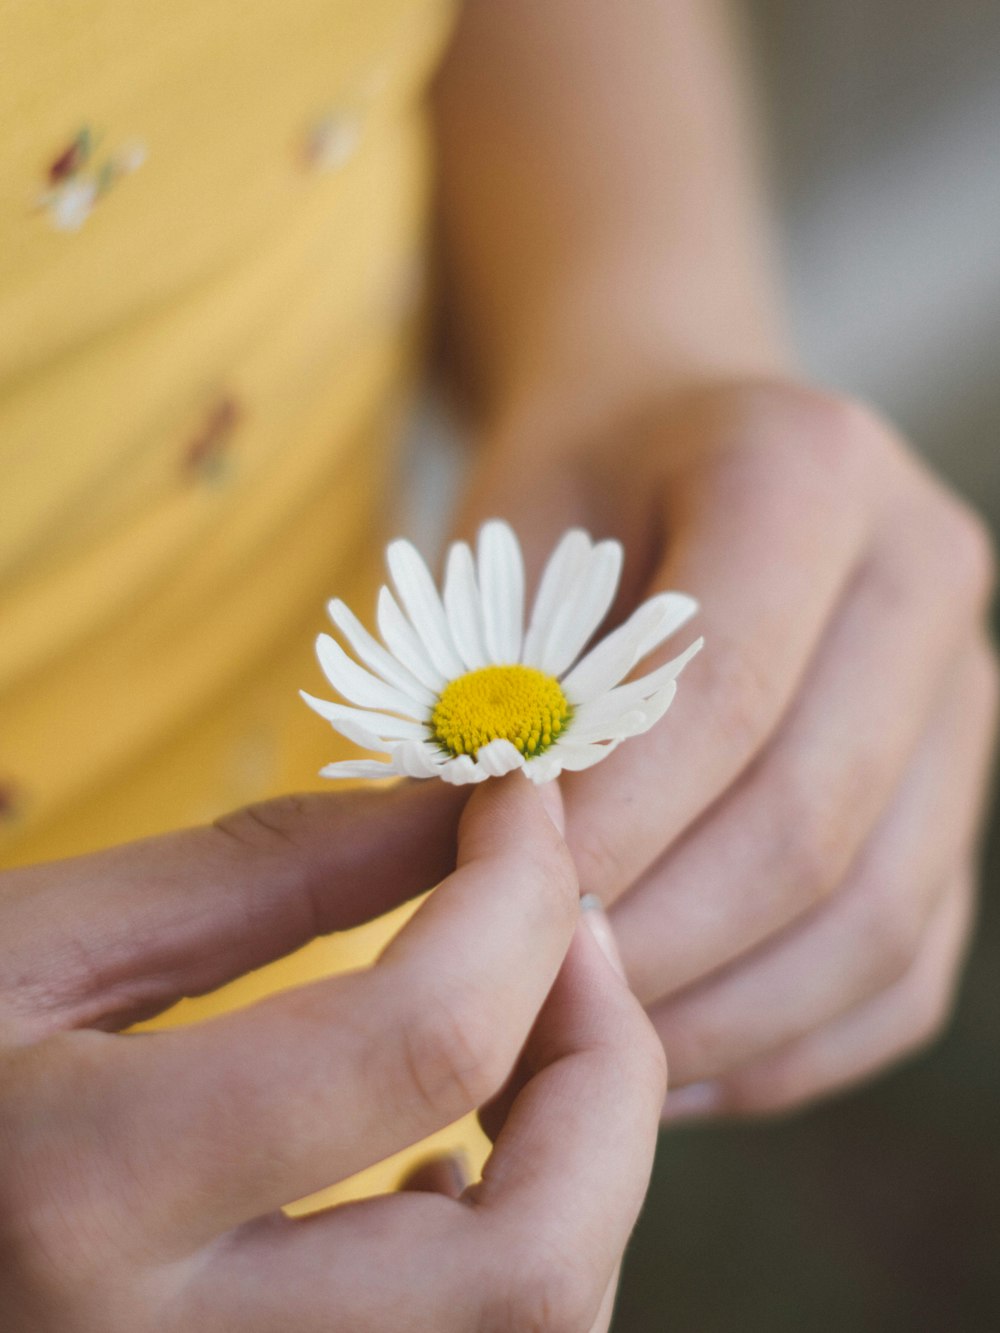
pixel 812 841
pixel 837 433
pixel 742 697
pixel 264 826
pixel 819 830
pixel 968 553
pixel 933 1015
pixel 452 1055
pixel 892 930
pixel 929 999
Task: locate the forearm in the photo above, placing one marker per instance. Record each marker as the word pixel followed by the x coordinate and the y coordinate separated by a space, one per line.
pixel 604 235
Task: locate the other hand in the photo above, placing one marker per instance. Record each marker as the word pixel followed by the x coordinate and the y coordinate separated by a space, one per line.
pixel 790 853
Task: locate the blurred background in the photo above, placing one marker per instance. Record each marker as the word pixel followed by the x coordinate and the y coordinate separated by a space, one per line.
pixel 881 1210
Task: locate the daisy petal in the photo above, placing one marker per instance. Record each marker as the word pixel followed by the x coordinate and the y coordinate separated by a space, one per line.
pixel 543 769
pixel 678 610
pixel 583 609
pixel 499 757
pixel 462 770
pixel 579 757
pixel 628 721
pixel 348 727
pixel 608 708
pixel 463 606
pixel 558 578
pixel 501 581
pixel 378 727
pixel 616 654
pixel 655 707
pixel 423 606
pixel 634 721
pixel 405 643
pixel 375 657
pixel 417 759
pixel 644 686
pixel 359 768
pixel 572 759
pixel 359 685
pixel 431 639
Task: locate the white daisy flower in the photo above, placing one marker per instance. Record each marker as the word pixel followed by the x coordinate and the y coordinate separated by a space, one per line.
pixel 458 690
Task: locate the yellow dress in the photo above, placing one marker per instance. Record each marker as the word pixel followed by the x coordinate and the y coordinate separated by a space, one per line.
pixel 212 224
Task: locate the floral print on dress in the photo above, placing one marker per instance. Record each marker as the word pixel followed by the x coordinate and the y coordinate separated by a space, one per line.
pixel 10 801
pixel 331 140
pixel 207 456
pixel 79 177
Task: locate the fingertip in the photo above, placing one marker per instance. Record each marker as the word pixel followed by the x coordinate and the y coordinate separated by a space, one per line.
pixel 695 1101
pixel 508 836
pixel 502 811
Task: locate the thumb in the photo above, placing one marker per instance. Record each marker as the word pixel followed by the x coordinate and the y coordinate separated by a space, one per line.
pixel 102 940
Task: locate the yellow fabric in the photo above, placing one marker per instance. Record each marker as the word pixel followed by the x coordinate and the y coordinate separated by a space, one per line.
pixel 211 231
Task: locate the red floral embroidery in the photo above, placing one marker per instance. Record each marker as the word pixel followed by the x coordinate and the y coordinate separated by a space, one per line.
pixel 10 801
pixel 76 180
pixel 207 453
pixel 331 141
pixel 72 160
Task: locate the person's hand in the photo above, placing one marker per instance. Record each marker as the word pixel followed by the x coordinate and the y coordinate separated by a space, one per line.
pixel 791 851
pixel 141 1176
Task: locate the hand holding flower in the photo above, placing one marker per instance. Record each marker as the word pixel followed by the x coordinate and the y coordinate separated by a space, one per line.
pixel 142 1176
pixel 790 853
pixel 470 694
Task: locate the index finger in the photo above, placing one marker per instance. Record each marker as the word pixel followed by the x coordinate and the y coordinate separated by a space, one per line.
pixel 258 1108
pixel 106 939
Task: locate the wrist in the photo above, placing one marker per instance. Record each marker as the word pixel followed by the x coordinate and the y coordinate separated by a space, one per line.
pixel 601 353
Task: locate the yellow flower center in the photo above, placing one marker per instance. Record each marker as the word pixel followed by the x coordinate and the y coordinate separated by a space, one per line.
pixel 518 703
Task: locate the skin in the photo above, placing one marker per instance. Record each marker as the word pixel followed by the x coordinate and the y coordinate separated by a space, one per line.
pixel 790 854
pixel 253 1109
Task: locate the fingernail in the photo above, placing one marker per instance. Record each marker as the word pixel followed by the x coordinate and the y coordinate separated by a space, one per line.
pixel 693 1101
pixel 551 798
pixel 593 913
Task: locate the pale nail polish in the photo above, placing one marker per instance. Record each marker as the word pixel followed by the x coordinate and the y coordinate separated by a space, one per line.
pixel 593 913
pixel 551 798
pixel 693 1101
